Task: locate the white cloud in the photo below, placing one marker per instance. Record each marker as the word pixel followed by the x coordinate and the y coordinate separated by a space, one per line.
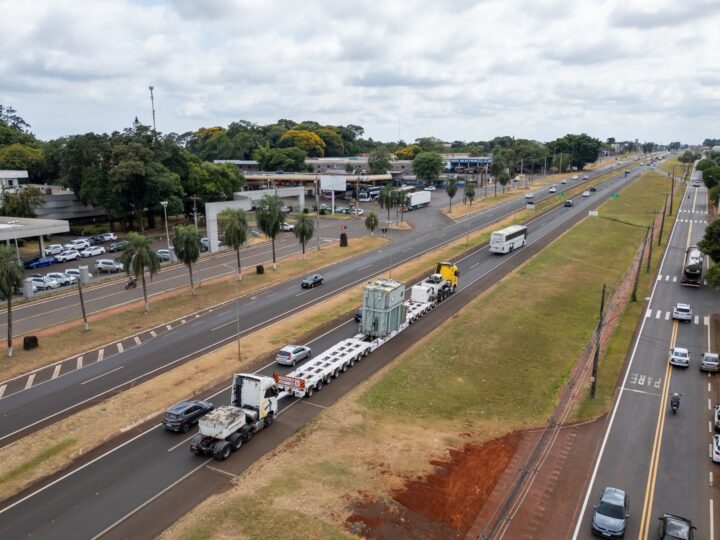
pixel 460 69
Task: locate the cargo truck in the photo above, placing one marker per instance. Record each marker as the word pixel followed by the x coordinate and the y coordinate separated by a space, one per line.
pixel 692 267
pixel 418 199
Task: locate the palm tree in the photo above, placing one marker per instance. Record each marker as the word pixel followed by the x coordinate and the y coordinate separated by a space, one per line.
pixel 387 198
pixel 401 201
pixel 187 248
pixel 139 257
pixel 304 230
pixel 371 222
pixel 469 192
pixel 235 231
pixel 269 217
pixel 451 190
pixel 11 277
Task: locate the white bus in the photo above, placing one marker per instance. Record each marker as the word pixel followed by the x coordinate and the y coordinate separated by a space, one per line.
pixel 506 240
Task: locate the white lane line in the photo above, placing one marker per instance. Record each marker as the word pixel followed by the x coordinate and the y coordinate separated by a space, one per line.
pixel 667 278
pixel 697 319
pixel 137 341
pixel 79 362
pixel 304 292
pixel 226 474
pixel 474 265
pixel 152 333
pixel 712 521
pixel 657 315
pixel 659 278
pixel 56 372
pixel 168 327
pixel 178 445
pixel 108 373
pixel 648 313
pixel 222 326
pixel 306 402
pixel 2 390
pixel 674 279
pixel 709 386
pixel 667 315
pixel 364 267
pixel 710 478
pixel 30 381
pixel 709 405
pixel 120 347
pixel 101 355
pixel 706 320
pixel 641 392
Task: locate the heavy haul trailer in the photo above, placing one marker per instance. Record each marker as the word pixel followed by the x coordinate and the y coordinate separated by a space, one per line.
pixel 692 267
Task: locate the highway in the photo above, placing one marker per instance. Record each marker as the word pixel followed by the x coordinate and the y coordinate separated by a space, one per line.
pixel 662 459
pixel 140 483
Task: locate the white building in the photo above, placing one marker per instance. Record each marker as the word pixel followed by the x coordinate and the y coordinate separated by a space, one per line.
pixel 10 180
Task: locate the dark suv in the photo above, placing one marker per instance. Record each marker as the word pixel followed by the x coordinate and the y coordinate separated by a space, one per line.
pixel 310 281
pixel 181 416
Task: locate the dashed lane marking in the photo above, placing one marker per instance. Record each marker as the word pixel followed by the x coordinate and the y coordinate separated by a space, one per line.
pixel 659 278
pixel 56 372
pixel 120 347
pixel 101 355
pixel 30 381
pixel 674 279
pixel 137 341
pixel 657 315
pixel 167 326
pixel 221 472
pixel 667 278
pixel 667 315
pixel 152 333
pixel 79 362
pixel 2 390
pixel 697 319
pixel 706 320
pixel 648 313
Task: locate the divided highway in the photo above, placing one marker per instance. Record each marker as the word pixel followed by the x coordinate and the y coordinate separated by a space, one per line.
pixel 659 458
pixel 145 481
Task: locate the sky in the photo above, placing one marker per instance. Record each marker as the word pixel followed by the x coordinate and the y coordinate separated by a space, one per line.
pixel 452 69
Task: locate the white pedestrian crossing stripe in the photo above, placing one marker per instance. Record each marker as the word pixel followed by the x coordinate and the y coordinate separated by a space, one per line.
pixel 667 315
pixel 648 313
pixel 706 320
pixel 674 279
pixel 657 315
pixel 697 319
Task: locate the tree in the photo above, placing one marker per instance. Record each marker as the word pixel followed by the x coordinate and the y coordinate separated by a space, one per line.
pixel 280 159
pixel 427 166
pixel 20 157
pixel 213 182
pixel 711 176
pixel 409 152
pixel 304 230
pixel 304 140
pixel 714 195
pixel 705 164
pixel 334 145
pixel 469 192
pixel 187 248
pixel 23 203
pixel 674 146
pixel 269 217
pixel 235 231
pixel 710 244
pixel 11 277
pixel 451 190
pixel 371 222
pixel 379 161
pixel 139 257
pixel 583 148
pixel 401 201
pixel 387 198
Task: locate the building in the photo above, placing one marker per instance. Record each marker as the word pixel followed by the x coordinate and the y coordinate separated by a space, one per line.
pixel 10 180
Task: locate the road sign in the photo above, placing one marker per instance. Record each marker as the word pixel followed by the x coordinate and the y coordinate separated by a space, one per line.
pixel 615 195
pixel 593 213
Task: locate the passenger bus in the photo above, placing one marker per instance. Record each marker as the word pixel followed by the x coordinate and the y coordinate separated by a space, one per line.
pixel 508 239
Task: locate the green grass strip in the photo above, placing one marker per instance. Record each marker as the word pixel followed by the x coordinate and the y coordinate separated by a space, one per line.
pixel 37 460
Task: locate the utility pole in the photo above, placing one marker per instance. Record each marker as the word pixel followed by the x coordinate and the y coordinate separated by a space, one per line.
pixel 152 104
pixel 651 230
pixel 317 212
pixel 672 190
pixel 596 358
pixel 662 221
pixel 633 297
pixel 86 326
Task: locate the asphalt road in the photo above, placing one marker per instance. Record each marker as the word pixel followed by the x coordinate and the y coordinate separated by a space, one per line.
pixel 147 479
pixel 661 460
pixel 32 401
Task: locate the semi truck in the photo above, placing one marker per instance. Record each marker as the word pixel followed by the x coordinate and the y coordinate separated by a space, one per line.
pixel 254 401
pixel 692 267
pixel 418 199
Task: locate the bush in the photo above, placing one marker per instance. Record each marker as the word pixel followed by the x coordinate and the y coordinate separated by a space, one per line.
pixel 714 194
pixel 705 164
pixel 322 212
pixel 75 230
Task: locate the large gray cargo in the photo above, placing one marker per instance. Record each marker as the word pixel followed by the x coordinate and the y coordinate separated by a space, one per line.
pixel 383 307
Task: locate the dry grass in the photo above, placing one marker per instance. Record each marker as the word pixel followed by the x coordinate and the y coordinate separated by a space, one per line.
pixel 69 339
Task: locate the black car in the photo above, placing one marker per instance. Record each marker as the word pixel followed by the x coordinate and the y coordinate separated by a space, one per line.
pixel 310 281
pixel 611 513
pixel 593 189
pixel 675 528
pixel 568 202
pixel 118 245
pixel 181 416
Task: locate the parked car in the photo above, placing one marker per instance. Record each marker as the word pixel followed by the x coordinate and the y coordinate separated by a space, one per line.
pixel 709 362
pixel 75 272
pixel 97 239
pixel 611 513
pixel 569 202
pixel 716 449
pixel 682 312
pixel 53 249
pixel 78 244
pixel 108 265
pixel 286 209
pixel 44 283
pixel 675 528
pixel 119 245
pixel 310 281
pixel 92 251
pixel 680 357
pixel 108 237
pixel 39 262
pixel 292 354
pixel 285 226
pixel 430 188
pixel 181 416
pixel 73 279
pixel 60 277
pixel 68 255
pixel 163 255
pixel 586 193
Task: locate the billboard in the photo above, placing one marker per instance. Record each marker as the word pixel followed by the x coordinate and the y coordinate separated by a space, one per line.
pixel 333 182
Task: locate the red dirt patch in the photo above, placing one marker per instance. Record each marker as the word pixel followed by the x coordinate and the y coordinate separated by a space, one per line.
pixel 443 504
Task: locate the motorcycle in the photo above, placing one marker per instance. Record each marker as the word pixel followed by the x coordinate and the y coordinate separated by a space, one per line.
pixel 675 402
pixel 131 284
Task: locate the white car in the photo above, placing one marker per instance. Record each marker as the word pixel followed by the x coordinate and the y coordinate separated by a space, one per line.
pixel 716 449
pixel 585 193
pixel 69 255
pixel 563 181
pixel 61 278
pixel 575 177
pixel 285 226
pixel 586 177
pixel 430 188
pixel 77 244
pixel 682 312
pixel 109 237
pixel 108 265
pixel 680 357
pixel 75 273
pixel 44 283
pixel 53 249
pixel 92 251
pixel 553 189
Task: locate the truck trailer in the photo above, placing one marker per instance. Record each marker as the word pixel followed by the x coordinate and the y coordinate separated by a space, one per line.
pixel 692 267
pixel 417 199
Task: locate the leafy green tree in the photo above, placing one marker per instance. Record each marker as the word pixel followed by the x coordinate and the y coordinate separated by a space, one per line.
pixel 427 166
pixel 371 222
pixel 187 248
pixel 409 152
pixel 387 198
pixel 711 177
pixel 710 244
pixel 674 146
pixel 713 276
pixel 583 148
pixel 689 157
pixel 334 144
pixel 139 257
pixel 214 182
pixel 280 159
pixel 304 230
pixel 235 231
pixel 11 277
pixel 379 161
pixel 401 201
pixel 20 156
pixel 451 190
pixel 269 217
pixel 705 164
pixel 714 195
pixel 470 192
pixel 305 140
pixel 23 203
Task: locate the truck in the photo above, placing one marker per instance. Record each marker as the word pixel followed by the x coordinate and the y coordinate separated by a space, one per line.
pixel 692 267
pixel 254 406
pixel 418 199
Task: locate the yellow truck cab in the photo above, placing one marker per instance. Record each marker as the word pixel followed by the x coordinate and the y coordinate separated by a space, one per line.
pixel 449 273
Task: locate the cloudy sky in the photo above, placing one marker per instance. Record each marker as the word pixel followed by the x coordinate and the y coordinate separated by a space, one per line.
pixel 469 70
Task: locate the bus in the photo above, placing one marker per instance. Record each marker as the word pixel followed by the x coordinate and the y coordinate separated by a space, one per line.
pixel 508 239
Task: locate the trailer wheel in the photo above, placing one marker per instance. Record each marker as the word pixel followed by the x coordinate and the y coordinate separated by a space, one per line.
pixel 336 373
pixel 235 441
pixel 344 368
pixel 352 362
pixel 249 435
pixel 366 352
pixel 221 450
pixel 319 385
pixel 359 357
pixel 269 419
pixel 309 392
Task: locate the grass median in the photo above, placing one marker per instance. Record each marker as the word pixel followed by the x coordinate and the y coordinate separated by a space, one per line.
pixel 493 368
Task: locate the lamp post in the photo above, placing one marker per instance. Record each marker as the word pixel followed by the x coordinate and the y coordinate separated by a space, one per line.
pixel 167 232
pixel 152 104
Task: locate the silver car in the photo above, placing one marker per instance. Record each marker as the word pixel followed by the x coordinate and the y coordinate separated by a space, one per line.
pixel 682 312
pixel 709 362
pixel 292 354
pixel 679 357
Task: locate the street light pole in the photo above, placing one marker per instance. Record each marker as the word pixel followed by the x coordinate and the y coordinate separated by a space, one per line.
pixel 317 212
pixel 167 232
pixel 152 104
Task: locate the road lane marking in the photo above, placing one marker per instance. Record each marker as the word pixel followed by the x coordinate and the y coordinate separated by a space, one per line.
pixel 667 315
pixel 226 474
pixel 642 392
pixel 137 341
pixel 707 323
pixel 101 355
pixel 222 326
pixel 304 292
pixel 168 327
pixel 674 279
pixel 178 445
pixel 306 402
pixel 657 315
pixel 2 390
pixel 364 267
pixel 56 372
pixel 709 387
pixel 474 265
pixel 659 278
pixel 648 313
pixel 108 373
pixel 30 381
pixel 712 520
pixel 709 405
pixel 667 278
pixel 120 347
pixel 79 362
pixel 697 319
pixel 152 333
